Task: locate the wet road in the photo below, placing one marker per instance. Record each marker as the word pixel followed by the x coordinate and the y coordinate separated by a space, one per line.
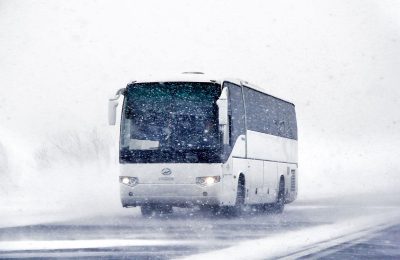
pixel 185 232
pixel 381 245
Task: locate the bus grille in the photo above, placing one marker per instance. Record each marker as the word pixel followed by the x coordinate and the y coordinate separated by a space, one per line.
pixel 293 181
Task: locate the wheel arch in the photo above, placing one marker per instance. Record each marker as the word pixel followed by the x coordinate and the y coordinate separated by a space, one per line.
pixel 241 183
pixel 242 178
pixel 282 179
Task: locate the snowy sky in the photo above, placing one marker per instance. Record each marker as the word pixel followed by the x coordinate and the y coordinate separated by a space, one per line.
pixel 338 61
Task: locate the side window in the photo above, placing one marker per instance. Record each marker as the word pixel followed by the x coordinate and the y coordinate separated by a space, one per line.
pixel 270 115
pixel 288 117
pixel 236 112
pixel 262 112
pixel 291 118
pixel 282 118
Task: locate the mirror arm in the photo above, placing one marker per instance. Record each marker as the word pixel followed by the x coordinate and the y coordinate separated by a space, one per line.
pixel 118 94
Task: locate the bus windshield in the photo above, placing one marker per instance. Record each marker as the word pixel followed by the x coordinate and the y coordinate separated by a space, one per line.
pixel 170 122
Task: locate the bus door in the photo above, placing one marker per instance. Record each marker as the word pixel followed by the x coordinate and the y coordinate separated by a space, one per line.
pixel 236 150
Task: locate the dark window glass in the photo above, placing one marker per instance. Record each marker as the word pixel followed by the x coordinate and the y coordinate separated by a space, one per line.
pixel 236 112
pixel 170 122
pixel 270 115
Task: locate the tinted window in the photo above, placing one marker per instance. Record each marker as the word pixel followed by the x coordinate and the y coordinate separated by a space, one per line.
pixel 170 122
pixel 270 115
pixel 236 112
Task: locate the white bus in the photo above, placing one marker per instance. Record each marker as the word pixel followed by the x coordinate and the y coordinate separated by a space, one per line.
pixel 195 141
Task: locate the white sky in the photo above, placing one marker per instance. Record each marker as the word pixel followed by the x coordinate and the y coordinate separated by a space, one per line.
pixel 338 61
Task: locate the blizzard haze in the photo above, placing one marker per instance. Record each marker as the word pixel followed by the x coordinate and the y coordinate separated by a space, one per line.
pixel 338 61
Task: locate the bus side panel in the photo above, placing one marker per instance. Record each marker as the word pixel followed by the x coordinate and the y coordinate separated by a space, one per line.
pixel 293 184
pixel 270 181
pixel 272 148
pixel 240 166
pixel 255 178
pixel 229 187
pixel 289 172
pixel 231 170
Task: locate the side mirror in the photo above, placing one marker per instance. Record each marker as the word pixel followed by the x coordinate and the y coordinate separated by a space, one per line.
pixel 222 103
pixel 112 106
pixel 112 111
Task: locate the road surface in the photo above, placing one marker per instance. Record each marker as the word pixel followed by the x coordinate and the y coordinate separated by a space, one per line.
pixel 380 245
pixel 304 230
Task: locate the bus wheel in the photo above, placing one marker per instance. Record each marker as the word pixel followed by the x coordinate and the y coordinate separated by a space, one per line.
pixel 147 210
pixel 237 209
pixel 241 193
pixel 164 209
pixel 278 206
pixel 210 209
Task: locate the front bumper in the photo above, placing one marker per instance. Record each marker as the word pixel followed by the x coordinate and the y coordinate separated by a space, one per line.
pixel 179 195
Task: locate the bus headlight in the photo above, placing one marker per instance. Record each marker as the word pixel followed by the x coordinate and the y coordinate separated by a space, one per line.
pixel 208 180
pixel 130 181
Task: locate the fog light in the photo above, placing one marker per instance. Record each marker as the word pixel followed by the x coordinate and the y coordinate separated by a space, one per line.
pixel 125 180
pixel 130 181
pixel 208 180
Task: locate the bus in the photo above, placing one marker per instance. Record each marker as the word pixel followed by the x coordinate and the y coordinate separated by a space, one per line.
pixel 194 141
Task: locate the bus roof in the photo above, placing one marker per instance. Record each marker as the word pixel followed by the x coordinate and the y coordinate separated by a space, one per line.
pixel 201 77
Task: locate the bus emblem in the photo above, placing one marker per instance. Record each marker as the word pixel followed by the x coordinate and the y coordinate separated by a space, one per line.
pixel 166 171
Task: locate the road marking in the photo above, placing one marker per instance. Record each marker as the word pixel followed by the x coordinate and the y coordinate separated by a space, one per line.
pixel 83 244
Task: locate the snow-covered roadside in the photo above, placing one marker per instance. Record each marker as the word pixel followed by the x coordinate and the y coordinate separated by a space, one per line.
pixel 287 243
pixel 66 177
pixel 53 195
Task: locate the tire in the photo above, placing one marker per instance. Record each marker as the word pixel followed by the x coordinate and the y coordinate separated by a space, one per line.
pixel 279 205
pixel 156 209
pixel 241 192
pixel 164 209
pixel 210 209
pixel 147 210
pixel 237 209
